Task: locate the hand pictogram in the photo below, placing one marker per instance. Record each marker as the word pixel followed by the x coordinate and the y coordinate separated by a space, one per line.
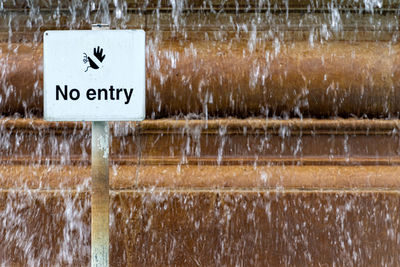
pixel 93 63
pixel 99 53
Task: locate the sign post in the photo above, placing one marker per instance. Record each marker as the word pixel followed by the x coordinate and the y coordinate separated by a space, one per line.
pixel 96 76
pixel 100 194
pixel 100 237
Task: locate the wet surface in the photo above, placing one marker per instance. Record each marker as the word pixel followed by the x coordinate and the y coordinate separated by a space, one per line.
pixel 271 138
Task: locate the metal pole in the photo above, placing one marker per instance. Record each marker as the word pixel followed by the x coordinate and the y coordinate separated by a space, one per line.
pixel 100 194
pixel 100 190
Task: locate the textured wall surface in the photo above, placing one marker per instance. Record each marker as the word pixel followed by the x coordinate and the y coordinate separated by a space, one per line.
pixel 271 137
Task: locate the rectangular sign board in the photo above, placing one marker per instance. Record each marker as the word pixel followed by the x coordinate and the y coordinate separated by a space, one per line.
pixel 94 75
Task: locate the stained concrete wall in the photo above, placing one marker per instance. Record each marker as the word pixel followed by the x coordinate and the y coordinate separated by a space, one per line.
pixel 207 191
pixel 219 79
pixel 307 210
pixel 206 228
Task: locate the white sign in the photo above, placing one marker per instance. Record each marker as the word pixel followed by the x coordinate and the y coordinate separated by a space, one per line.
pixel 94 75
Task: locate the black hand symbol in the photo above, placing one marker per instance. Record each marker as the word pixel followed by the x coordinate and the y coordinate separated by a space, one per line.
pixel 99 54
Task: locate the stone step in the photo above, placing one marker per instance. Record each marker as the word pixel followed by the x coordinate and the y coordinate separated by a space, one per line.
pixel 241 142
pixel 125 177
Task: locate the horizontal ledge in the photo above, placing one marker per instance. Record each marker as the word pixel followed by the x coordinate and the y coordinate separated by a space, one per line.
pixel 212 143
pixel 210 161
pixel 204 177
pixel 203 26
pixel 280 9
pixel 191 190
pixel 305 126
pixel 213 6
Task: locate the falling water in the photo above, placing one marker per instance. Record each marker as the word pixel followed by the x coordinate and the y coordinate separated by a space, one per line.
pixel 271 137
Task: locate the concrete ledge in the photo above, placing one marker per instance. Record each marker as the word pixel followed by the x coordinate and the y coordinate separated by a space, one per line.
pixel 216 5
pixel 254 142
pixel 230 142
pixel 123 177
pixel 228 153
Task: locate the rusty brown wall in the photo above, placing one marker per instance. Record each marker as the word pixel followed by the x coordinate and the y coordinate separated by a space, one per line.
pixel 229 79
pixel 206 228
pixel 165 212
pixel 249 59
pixel 207 191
